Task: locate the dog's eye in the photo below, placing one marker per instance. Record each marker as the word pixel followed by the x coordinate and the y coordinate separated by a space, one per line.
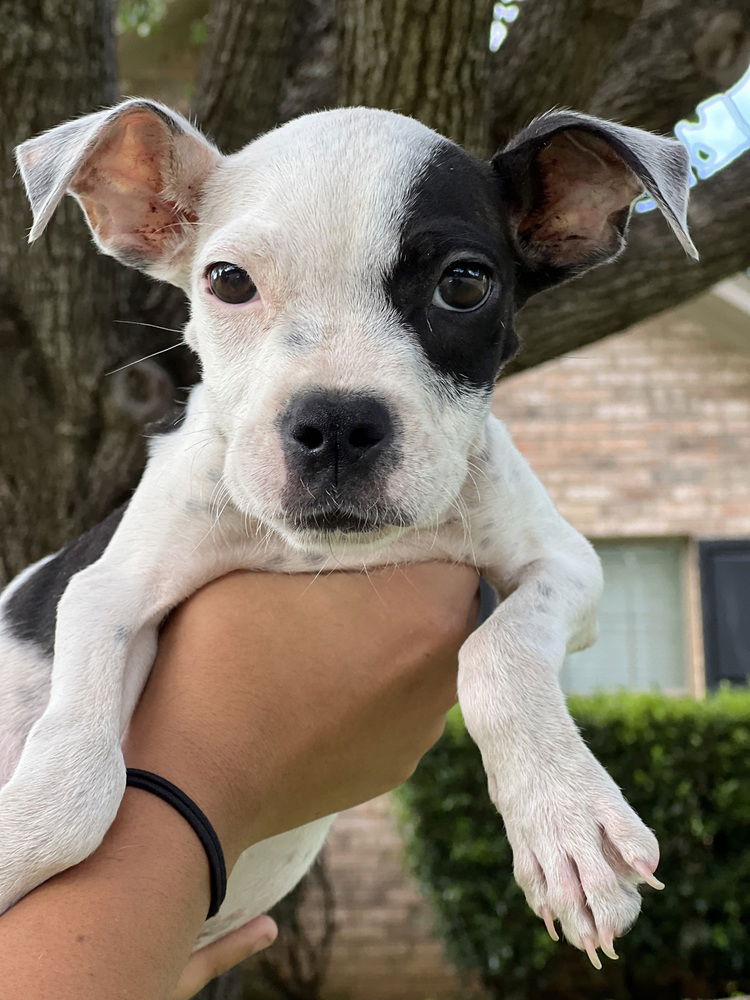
pixel 464 286
pixel 230 283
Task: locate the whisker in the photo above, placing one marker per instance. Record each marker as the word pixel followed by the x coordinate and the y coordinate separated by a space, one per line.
pixel 131 363
pixel 154 326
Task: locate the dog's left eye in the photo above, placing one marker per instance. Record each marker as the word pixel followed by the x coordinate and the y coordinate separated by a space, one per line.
pixel 230 283
pixel 464 286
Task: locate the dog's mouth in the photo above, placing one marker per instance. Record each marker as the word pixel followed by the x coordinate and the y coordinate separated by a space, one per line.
pixel 339 520
pixel 332 521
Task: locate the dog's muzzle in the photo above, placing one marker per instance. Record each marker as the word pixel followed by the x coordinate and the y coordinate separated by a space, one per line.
pixel 339 448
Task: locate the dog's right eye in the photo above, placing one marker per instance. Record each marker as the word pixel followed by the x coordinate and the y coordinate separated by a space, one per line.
pixel 464 287
pixel 230 283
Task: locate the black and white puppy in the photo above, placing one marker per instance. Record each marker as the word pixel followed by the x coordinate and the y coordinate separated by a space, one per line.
pixel 353 279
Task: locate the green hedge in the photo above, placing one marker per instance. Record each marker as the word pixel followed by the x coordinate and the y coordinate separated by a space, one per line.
pixel 685 767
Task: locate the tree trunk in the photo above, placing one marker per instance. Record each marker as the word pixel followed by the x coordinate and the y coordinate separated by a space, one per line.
pixel 425 58
pixel 70 439
pixel 244 65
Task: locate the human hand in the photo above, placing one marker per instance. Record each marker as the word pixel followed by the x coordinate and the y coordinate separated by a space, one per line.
pixel 222 955
pixel 276 699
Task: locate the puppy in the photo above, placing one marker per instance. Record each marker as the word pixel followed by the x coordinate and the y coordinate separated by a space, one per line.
pixel 353 279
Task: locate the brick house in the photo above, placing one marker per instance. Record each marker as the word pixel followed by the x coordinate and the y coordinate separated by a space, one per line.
pixel 643 441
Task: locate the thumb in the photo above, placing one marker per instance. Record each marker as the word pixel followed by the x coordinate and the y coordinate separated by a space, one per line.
pixel 221 955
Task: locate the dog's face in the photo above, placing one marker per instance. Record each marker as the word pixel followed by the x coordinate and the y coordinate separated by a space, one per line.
pixel 352 302
pixel 353 279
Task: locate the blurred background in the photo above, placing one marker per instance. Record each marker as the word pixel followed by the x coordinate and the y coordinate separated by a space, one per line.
pixel 630 398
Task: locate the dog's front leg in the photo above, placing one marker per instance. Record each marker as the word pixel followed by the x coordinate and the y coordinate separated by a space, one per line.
pixel 579 849
pixel 69 780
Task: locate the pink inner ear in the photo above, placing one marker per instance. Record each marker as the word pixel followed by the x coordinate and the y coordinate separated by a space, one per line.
pixel 121 188
pixel 584 184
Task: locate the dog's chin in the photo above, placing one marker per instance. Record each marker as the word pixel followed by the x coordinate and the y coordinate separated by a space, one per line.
pixel 337 530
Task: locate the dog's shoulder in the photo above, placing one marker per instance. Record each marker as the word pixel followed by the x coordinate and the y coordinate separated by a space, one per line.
pixel 30 609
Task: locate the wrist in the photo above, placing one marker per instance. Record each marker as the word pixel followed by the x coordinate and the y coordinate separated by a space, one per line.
pixel 213 788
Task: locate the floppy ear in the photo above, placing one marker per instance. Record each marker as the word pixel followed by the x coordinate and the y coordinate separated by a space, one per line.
pixel 570 180
pixel 138 172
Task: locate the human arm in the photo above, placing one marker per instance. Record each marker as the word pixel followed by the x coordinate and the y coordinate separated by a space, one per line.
pixel 273 700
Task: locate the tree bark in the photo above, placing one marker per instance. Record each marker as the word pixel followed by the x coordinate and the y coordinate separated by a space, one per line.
pixel 556 54
pixel 425 58
pixel 652 275
pixel 312 83
pixel 70 439
pixel 678 53
pixel 643 62
pixel 244 66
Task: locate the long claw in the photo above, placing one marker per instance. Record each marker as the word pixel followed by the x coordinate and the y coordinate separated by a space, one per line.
pixel 549 923
pixel 591 952
pixel 606 943
pixel 646 874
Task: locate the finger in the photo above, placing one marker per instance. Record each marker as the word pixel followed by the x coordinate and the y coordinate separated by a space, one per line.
pixel 221 955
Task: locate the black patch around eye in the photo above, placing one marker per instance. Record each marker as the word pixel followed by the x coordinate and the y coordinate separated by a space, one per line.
pixel 455 218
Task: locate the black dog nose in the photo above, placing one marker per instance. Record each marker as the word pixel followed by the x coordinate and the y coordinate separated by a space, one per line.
pixel 334 432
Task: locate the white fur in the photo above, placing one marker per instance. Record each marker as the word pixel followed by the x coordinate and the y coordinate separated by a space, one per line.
pixel 313 212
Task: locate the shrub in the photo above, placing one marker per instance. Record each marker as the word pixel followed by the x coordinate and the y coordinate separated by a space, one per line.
pixel 685 767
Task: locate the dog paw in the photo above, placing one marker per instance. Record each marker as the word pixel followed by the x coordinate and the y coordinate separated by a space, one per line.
pixel 579 853
pixel 53 816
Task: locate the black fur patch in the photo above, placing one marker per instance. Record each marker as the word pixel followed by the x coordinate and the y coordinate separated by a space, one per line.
pixel 456 214
pixel 31 612
pixel 171 422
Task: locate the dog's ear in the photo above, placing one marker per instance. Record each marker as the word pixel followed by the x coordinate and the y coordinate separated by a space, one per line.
pixel 570 180
pixel 138 172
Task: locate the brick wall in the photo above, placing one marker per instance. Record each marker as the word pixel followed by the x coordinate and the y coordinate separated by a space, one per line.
pixel 383 948
pixel 646 433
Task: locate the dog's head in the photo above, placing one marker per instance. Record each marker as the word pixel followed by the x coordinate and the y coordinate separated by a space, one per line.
pixel 353 279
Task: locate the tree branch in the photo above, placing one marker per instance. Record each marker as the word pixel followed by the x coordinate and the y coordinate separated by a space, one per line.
pixel 651 276
pixel 678 53
pixel 643 62
pixel 556 55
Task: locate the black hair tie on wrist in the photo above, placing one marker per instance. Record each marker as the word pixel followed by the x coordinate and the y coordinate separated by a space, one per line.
pixel 175 797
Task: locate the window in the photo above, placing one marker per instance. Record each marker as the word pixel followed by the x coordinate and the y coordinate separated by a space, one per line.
pixel 642 641
pixel 725 595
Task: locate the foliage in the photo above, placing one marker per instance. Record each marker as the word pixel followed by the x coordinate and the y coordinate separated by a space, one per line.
pixel 685 767
pixel 140 15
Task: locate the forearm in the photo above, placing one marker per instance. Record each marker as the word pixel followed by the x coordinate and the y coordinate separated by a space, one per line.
pixel 121 924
